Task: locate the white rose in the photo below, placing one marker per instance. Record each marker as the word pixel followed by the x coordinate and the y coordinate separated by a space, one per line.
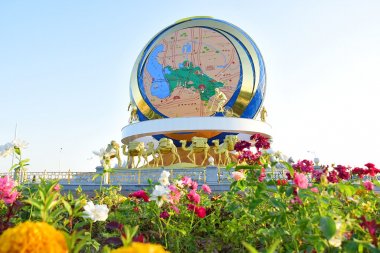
pixel 164 179
pixel 95 212
pixel 160 194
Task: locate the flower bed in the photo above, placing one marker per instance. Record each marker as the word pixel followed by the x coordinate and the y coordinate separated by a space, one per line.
pixel 315 209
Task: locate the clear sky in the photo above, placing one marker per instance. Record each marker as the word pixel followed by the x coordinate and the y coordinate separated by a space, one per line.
pixel 65 68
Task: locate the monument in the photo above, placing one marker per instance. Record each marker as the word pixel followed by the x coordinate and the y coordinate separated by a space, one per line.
pixel 195 85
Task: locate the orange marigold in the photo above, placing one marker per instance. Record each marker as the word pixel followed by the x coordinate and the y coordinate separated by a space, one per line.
pixel 32 237
pixel 138 247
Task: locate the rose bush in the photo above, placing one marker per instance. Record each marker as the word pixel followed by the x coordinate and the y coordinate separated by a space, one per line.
pixel 312 208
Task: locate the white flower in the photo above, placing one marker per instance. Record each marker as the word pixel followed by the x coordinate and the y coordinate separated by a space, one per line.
pixel 160 194
pixel 335 241
pixel 164 179
pixel 178 183
pixel 21 144
pixel 95 212
pixel 6 149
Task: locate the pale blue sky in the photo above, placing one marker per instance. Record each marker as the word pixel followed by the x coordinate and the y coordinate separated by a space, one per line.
pixel 65 69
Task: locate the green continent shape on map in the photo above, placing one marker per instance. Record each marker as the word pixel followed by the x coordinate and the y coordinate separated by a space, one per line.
pixel 189 77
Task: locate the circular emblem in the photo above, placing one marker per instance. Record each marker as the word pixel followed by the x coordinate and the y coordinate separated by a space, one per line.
pixel 199 67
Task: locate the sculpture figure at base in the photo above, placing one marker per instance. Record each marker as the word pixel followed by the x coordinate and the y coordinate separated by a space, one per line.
pixel 150 150
pixel 135 148
pixel 263 114
pixel 133 116
pixel 166 146
pixel 198 145
pixel 225 148
pixel 114 150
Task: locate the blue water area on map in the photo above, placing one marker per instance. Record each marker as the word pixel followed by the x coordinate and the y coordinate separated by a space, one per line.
pixel 159 87
pixel 186 49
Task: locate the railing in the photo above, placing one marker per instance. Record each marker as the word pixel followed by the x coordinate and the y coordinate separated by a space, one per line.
pixel 210 175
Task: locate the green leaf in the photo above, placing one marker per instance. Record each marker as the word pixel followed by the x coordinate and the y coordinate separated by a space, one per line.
pixel 17 150
pixel 348 190
pixel 230 166
pixel 280 205
pixel 327 226
pixel 274 246
pixel 290 168
pixel 37 204
pixel 249 247
pixel 67 207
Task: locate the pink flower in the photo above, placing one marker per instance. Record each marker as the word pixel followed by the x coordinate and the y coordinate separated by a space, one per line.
pixel 194 185
pixel 193 196
pixel 237 175
pixel 296 200
pixel 262 175
pixel 200 211
pixel 300 180
pixel 7 192
pixel 187 181
pixel 57 187
pixel 175 195
pixel 314 189
pixel 175 209
pixel 206 189
pixel 368 185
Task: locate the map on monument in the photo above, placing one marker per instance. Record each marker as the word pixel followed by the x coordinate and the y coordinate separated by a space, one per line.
pixel 186 69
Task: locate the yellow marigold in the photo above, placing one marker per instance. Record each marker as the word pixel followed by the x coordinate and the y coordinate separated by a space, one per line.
pixel 138 247
pixel 32 237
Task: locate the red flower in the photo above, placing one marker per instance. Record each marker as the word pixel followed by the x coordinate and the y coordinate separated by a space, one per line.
pixel 371 227
pixel 241 145
pixel 200 211
pixel 372 170
pixel 141 194
pixel 190 207
pixel 139 238
pixel 164 215
pixel 260 141
pixel 193 196
pixel 359 171
pixel 282 182
pixel 304 166
pixel 342 172
pixel 333 177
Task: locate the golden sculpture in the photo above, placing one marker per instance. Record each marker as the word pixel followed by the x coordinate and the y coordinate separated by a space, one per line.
pixel 150 150
pixel 166 146
pixel 263 114
pixel 220 98
pixel 225 148
pixel 198 145
pixel 133 116
pixel 113 151
pixel 135 148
